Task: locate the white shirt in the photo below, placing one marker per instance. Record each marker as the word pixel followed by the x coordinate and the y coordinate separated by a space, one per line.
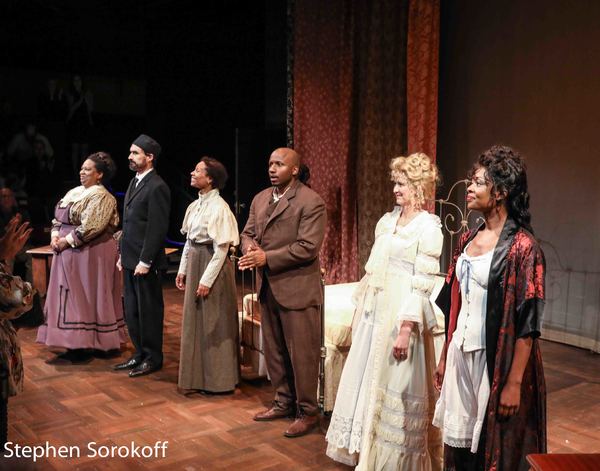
pixel 208 220
pixel 472 274
pixel 139 176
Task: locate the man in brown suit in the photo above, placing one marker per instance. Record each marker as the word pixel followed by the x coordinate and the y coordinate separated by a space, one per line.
pixel 282 239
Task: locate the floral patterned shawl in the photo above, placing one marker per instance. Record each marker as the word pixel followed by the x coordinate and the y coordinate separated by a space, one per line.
pixel 16 298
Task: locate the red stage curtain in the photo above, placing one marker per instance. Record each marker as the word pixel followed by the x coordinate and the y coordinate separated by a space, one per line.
pixel 380 110
pixel 323 94
pixel 422 73
pixel 350 113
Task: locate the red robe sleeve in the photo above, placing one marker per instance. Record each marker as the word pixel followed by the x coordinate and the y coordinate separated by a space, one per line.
pixel 529 289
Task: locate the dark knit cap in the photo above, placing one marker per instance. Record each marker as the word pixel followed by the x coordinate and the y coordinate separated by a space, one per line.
pixel 148 145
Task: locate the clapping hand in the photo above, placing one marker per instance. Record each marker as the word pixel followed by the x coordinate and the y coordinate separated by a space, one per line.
pixel 14 239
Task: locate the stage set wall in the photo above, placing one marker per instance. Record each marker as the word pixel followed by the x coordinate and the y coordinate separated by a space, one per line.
pixel 526 74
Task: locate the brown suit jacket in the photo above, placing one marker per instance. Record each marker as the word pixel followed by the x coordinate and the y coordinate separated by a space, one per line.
pixel 291 238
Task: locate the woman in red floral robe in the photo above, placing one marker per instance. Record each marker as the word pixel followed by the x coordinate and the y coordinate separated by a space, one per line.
pixel 514 420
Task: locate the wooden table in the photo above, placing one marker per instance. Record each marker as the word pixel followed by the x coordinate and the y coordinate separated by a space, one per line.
pixel 564 461
pixel 41 262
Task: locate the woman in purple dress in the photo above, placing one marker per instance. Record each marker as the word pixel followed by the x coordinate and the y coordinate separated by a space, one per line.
pixel 84 311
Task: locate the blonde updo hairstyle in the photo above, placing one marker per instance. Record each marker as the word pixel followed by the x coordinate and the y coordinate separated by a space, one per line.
pixel 421 173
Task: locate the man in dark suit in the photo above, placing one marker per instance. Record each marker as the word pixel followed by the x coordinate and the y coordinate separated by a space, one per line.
pixel 282 239
pixel 145 223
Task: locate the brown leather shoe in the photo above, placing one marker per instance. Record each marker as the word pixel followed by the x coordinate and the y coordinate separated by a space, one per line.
pixel 302 425
pixel 274 413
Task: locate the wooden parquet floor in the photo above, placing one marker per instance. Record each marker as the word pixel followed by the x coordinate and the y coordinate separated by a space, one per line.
pixel 75 405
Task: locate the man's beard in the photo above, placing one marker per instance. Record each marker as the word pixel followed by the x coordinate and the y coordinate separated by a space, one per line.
pixel 133 166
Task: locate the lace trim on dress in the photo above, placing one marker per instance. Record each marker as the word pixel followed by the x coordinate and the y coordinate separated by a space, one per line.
pixel 413 422
pixel 401 400
pixel 78 193
pixel 401 450
pixel 344 432
pixel 458 442
pixel 388 456
pixel 403 441
pixel 462 432
pixel 402 420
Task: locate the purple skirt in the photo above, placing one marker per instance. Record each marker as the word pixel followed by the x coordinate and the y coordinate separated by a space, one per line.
pixel 84 307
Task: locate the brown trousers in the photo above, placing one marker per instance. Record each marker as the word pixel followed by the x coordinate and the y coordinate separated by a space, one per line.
pixel 292 343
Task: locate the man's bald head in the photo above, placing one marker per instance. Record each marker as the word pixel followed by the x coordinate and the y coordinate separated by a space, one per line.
pixel 284 167
pixel 291 154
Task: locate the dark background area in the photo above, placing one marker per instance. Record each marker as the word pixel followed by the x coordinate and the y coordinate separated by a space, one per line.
pixel 187 73
pixel 526 74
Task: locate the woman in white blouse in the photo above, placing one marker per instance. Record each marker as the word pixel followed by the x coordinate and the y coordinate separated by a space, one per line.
pixel 384 404
pixel 209 333
pixel 84 307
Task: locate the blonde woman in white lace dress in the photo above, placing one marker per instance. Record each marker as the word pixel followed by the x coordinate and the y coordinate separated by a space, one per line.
pixel 385 401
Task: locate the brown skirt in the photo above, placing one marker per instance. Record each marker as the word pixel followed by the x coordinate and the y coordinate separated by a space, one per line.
pixel 209 333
